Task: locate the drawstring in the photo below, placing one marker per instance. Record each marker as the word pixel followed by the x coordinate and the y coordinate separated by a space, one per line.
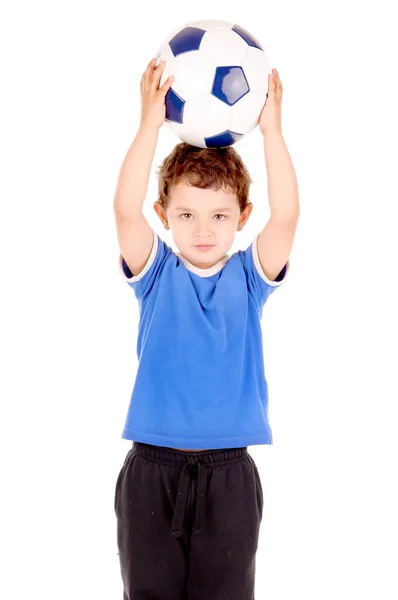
pixel 182 497
pixel 186 461
pixel 200 498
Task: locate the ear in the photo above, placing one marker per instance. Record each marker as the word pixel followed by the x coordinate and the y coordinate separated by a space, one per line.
pixel 161 213
pixel 244 216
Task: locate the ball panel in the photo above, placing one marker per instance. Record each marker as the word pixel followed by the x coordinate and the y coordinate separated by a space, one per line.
pixel 223 47
pixel 226 138
pixel 246 113
pixel 256 68
pixel 206 116
pixel 186 135
pixel 249 39
pixel 174 107
pixel 186 40
pixel 211 24
pixel 173 34
pixel 194 75
pixel 229 84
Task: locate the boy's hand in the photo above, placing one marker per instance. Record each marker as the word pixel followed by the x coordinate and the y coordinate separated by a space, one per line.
pixel 153 109
pixel 271 115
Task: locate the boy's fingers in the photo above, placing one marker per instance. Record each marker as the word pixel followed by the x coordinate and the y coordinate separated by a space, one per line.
pixel 276 78
pixel 157 74
pixel 270 84
pixel 167 85
pixel 150 67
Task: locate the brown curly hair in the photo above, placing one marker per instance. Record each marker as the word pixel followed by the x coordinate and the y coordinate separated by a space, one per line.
pixel 214 168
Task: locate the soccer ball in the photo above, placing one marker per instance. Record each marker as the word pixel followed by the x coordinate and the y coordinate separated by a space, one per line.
pixel 220 86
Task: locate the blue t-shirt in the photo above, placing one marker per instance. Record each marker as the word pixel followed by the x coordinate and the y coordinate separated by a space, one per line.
pixel 200 382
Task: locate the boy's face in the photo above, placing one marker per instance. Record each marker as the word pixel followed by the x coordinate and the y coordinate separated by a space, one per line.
pixel 203 217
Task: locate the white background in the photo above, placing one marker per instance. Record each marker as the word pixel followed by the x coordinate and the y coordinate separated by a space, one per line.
pixel 70 107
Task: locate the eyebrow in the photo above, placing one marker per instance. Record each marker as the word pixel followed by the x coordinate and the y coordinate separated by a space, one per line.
pixel 216 209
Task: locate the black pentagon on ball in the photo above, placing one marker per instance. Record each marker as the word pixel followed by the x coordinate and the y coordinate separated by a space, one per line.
pixel 174 107
pixel 249 39
pixel 226 138
pixel 230 84
pixel 186 40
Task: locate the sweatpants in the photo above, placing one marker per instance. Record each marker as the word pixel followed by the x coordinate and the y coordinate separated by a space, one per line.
pixel 188 523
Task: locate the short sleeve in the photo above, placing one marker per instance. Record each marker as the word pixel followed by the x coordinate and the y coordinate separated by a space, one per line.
pixel 258 283
pixel 143 283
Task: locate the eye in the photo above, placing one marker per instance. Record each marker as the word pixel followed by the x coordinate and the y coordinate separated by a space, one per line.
pixel 189 215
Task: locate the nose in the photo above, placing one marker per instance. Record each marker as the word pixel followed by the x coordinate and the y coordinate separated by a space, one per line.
pixel 203 232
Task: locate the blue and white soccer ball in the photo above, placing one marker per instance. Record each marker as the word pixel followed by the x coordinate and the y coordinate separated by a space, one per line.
pixel 220 86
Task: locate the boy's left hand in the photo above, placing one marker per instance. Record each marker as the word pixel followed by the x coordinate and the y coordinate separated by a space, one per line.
pixel 271 115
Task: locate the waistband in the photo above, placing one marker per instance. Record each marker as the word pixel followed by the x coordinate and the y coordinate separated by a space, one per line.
pixel 188 461
pixel 178 457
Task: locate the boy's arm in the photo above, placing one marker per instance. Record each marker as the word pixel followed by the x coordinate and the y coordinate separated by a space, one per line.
pixel 134 234
pixel 132 184
pixel 275 242
pixel 276 239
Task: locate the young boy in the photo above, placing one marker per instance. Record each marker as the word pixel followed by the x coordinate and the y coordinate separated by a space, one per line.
pixel 188 498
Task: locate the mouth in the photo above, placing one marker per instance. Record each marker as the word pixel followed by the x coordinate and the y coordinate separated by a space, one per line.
pixel 204 246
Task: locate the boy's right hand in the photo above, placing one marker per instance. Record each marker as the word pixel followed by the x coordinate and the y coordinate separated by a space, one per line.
pixel 153 109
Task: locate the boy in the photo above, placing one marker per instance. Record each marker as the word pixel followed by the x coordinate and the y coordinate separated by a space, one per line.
pixel 188 498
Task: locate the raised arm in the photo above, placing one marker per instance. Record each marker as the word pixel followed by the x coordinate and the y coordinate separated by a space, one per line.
pixel 276 239
pixel 135 236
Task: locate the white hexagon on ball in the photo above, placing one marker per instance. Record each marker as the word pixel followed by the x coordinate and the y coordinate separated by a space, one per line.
pixel 186 135
pixel 257 68
pixel 217 116
pixel 193 72
pixel 223 47
pixel 245 114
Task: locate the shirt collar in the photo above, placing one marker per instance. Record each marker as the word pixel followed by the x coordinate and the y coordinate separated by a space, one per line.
pixel 204 272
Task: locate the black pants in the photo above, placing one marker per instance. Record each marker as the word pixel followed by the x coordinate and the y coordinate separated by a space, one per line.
pixel 188 523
